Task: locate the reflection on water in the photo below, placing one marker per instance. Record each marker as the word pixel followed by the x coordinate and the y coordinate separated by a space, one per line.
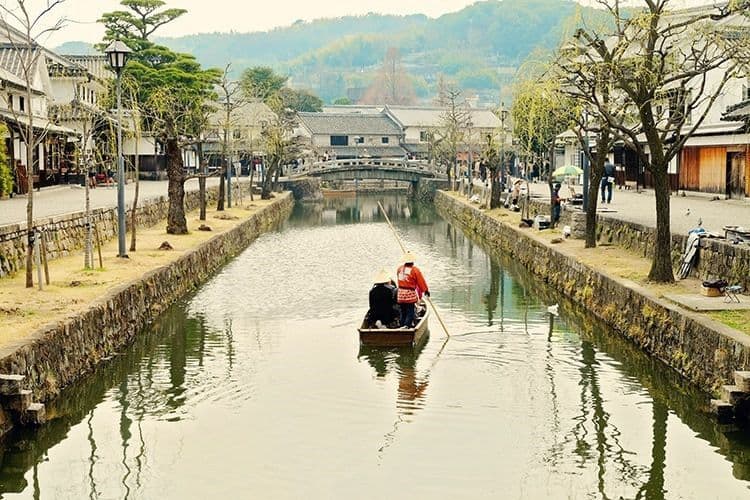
pixel 256 387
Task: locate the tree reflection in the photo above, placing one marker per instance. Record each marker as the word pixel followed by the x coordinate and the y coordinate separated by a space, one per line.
pixel 654 487
pixel 494 292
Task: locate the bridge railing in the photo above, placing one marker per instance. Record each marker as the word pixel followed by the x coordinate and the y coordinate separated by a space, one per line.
pixel 365 163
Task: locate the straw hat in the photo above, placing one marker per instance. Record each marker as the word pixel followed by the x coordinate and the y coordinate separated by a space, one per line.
pixel 408 257
pixel 382 277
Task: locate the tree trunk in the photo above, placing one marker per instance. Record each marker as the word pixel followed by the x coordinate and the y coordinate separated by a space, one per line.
pixel 201 182
pixel 222 189
pixel 133 229
pixel 30 201
pixel 88 252
pixel 268 181
pixel 595 179
pixel 496 186
pixel 661 266
pixel 176 222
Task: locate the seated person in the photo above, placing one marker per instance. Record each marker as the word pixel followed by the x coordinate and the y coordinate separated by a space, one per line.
pixel 383 306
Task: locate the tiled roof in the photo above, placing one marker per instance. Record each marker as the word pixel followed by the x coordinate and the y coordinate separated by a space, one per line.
pixel 738 112
pixel 363 109
pixel 11 65
pixel 368 152
pixel 423 116
pixel 349 124
pixel 12 58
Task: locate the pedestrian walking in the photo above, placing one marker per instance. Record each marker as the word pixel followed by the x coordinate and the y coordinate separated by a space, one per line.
pixel 608 181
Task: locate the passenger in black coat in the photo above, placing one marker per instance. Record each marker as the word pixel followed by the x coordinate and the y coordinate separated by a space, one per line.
pixel 383 305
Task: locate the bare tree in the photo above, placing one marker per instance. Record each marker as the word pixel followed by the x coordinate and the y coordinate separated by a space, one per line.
pixel 454 130
pixel 133 105
pixel 670 68
pixel 281 147
pixel 392 84
pixel 589 88
pixel 33 25
pixel 231 97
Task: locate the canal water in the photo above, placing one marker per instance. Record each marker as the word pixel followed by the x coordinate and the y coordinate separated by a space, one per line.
pixel 256 387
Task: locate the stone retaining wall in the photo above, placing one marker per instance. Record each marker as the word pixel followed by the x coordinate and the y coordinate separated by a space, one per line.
pixel 65 234
pixel 61 353
pixel 702 350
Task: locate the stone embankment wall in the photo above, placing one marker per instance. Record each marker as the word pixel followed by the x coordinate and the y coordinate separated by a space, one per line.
pixel 59 354
pixel 304 189
pixel 704 351
pixel 65 234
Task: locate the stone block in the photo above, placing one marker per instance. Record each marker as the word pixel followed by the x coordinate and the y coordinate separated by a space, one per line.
pixel 35 414
pixel 10 384
pixel 732 394
pixel 722 410
pixel 18 402
pixel 742 380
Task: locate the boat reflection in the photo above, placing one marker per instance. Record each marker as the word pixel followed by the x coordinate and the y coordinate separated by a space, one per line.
pixel 412 385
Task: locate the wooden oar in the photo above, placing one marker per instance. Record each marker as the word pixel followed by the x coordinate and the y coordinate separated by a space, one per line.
pixel 403 249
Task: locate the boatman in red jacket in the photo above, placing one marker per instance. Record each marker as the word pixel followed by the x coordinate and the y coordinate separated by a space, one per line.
pixel 411 286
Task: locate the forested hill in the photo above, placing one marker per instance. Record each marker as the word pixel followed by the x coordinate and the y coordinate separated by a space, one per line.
pixel 478 47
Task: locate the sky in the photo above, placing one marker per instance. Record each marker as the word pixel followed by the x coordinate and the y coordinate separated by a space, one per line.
pixel 235 15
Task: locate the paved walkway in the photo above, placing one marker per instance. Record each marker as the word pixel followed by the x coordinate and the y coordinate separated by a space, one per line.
pixel 685 211
pixel 67 199
pixel 639 207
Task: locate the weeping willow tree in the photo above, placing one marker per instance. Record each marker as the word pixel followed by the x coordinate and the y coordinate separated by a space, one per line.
pixel 540 113
pixel 6 176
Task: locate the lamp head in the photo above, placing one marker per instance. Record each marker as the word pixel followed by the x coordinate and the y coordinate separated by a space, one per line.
pixel 117 55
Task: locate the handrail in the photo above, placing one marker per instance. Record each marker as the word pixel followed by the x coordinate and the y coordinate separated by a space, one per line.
pixel 365 163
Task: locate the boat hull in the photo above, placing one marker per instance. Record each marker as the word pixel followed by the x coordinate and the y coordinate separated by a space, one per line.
pixel 394 337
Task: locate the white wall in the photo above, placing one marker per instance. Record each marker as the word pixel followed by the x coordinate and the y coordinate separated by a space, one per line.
pixel 146 145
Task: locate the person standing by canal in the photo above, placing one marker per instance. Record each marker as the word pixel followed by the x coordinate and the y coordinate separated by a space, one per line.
pixel 607 181
pixel 411 287
pixel 556 204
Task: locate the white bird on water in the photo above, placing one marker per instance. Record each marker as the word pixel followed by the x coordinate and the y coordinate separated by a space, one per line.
pixel 553 310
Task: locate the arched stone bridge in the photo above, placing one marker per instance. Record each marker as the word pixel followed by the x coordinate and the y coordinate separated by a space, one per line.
pixel 369 168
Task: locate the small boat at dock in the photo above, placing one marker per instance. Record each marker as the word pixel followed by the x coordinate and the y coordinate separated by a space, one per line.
pixel 394 337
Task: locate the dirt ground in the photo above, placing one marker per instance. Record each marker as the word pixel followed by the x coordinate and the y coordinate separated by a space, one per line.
pixel 72 288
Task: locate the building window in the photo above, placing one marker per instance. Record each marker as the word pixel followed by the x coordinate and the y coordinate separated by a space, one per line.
pixel 746 90
pixel 10 101
pixel 423 136
pixel 359 140
pixel 384 140
pixel 237 134
pixel 21 103
pixel 339 140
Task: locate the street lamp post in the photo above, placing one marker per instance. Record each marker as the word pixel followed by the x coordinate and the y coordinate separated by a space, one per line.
pixel 118 53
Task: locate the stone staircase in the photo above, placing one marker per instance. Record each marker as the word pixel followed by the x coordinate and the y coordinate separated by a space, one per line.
pixel 735 399
pixel 19 403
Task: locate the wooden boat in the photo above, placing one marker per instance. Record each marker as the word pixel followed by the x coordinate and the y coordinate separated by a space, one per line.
pixel 394 337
